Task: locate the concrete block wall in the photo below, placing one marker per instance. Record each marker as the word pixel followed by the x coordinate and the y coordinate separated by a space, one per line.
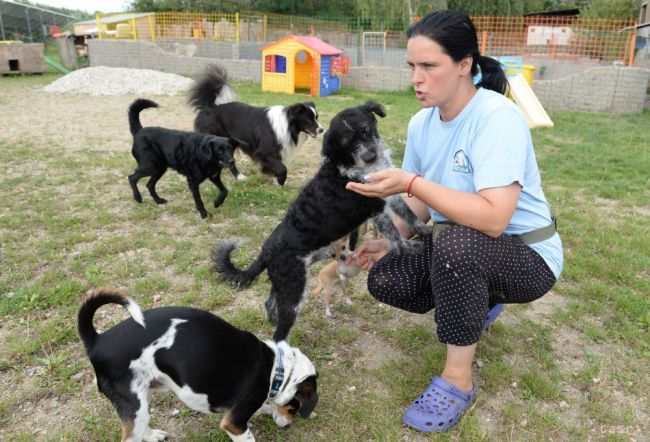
pixel 376 78
pixel 606 89
pixel 144 55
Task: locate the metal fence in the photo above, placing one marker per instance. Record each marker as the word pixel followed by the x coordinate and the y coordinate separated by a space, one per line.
pixel 602 41
pixel 28 23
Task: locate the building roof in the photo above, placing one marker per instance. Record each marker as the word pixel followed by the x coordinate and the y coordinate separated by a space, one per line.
pixel 314 43
pixel 559 13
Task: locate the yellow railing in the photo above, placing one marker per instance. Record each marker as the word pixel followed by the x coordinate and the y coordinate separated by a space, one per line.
pixel 537 37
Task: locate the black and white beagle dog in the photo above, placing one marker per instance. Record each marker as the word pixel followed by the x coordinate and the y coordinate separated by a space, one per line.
pixel 208 363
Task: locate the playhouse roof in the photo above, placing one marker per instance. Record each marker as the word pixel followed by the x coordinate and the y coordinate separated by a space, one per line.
pixel 314 43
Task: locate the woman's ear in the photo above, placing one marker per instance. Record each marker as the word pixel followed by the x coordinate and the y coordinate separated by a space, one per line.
pixel 466 65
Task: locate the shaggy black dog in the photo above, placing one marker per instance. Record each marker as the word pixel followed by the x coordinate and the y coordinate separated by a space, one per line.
pixel 196 156
pixel 323 212
pixel 272 133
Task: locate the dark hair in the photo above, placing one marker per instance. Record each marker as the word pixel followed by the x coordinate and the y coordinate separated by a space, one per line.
pixel 456 34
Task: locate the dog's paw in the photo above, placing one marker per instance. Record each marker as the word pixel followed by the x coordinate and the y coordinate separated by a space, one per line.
pixel 421 228
pixel 161 201
pixel 410 247
pixel 241 177
pixel 154 435
pixel 137 198
pixel 218 202
pixel 204 214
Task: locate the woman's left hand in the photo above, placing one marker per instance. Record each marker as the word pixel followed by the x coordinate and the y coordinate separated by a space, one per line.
pixel 383 183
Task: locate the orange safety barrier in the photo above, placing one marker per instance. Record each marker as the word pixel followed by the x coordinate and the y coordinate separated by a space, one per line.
pixel 569 38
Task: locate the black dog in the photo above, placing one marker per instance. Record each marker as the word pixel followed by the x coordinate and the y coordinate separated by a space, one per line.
pixel 323 212
pixel 209 364
pixel 194 155
pixel 271 133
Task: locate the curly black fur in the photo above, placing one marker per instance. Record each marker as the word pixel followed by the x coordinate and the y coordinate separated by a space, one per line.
pixel 271 133
pixel 196 156
pixel 323 212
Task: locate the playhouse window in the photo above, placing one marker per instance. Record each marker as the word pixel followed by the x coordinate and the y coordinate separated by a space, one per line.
pixel 275 63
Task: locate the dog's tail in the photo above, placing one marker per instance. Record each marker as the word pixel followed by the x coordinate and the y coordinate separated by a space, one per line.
pixel 134 113
pixel 95 299
pixel 211 89
pixel 227 270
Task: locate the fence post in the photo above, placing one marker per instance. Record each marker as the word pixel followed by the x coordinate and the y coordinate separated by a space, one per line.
pixel 29 25
pixel 151 30
pixel 553 46
pixel 266 22
pixel 99 27
pixel 632 45
pixel 2 27
pixel 135 31
pixel 358 41
pixel 483 42
pixel 237 26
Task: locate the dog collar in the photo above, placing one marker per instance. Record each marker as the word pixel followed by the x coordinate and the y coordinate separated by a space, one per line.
pixel 278 378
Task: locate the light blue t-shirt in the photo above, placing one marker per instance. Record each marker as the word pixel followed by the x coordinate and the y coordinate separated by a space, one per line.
pixel 487 145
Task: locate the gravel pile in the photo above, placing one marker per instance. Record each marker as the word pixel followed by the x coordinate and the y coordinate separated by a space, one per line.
pixel 119 81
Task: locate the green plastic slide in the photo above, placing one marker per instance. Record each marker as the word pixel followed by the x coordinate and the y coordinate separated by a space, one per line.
pixel 56 65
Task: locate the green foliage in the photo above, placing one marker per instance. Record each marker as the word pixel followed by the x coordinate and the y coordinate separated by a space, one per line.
pixel 313 8
pixel 613 9
pixel 77 14
pixel 394 15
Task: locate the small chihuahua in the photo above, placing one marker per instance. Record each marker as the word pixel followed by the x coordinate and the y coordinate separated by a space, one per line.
pixel 336 273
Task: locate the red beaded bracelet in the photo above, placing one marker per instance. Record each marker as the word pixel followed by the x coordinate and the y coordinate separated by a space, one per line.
pixel 408 189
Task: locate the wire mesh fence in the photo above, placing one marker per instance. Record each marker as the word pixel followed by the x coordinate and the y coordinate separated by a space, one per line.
pixel 29 23
pixel 370 43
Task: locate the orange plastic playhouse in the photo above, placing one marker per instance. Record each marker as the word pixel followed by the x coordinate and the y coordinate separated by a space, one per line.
pixel 300 62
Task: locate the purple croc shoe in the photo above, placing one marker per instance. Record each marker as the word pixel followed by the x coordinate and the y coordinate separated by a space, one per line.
pixel 439 407
pixel 493 314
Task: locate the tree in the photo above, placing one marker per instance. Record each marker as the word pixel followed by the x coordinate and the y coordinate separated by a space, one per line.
pixel 613 9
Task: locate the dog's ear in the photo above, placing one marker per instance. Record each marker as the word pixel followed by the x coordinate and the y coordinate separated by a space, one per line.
pixel 334 138
pixel 336 142
pixel 373 106
pixel 307 396
pixel 236 142
pixel 206 149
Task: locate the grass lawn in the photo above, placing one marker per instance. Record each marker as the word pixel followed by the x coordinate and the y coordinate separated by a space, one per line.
pixel 574 365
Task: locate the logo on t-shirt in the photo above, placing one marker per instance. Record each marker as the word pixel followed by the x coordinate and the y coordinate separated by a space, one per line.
pixel 461 163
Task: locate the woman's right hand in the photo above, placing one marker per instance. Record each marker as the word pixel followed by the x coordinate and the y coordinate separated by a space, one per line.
pixel 368 253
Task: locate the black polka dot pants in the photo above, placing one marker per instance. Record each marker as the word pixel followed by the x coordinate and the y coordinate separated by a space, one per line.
pixel 462 273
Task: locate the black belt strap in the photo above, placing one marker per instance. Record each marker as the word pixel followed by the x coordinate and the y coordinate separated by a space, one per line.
pixel 537 235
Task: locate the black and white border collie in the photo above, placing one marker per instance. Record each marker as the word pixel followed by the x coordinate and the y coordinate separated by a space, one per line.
pixel 272 133
pixel 323 212
pixel 212 366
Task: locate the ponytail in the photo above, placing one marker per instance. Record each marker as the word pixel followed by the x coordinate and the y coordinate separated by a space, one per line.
pixel 492 75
